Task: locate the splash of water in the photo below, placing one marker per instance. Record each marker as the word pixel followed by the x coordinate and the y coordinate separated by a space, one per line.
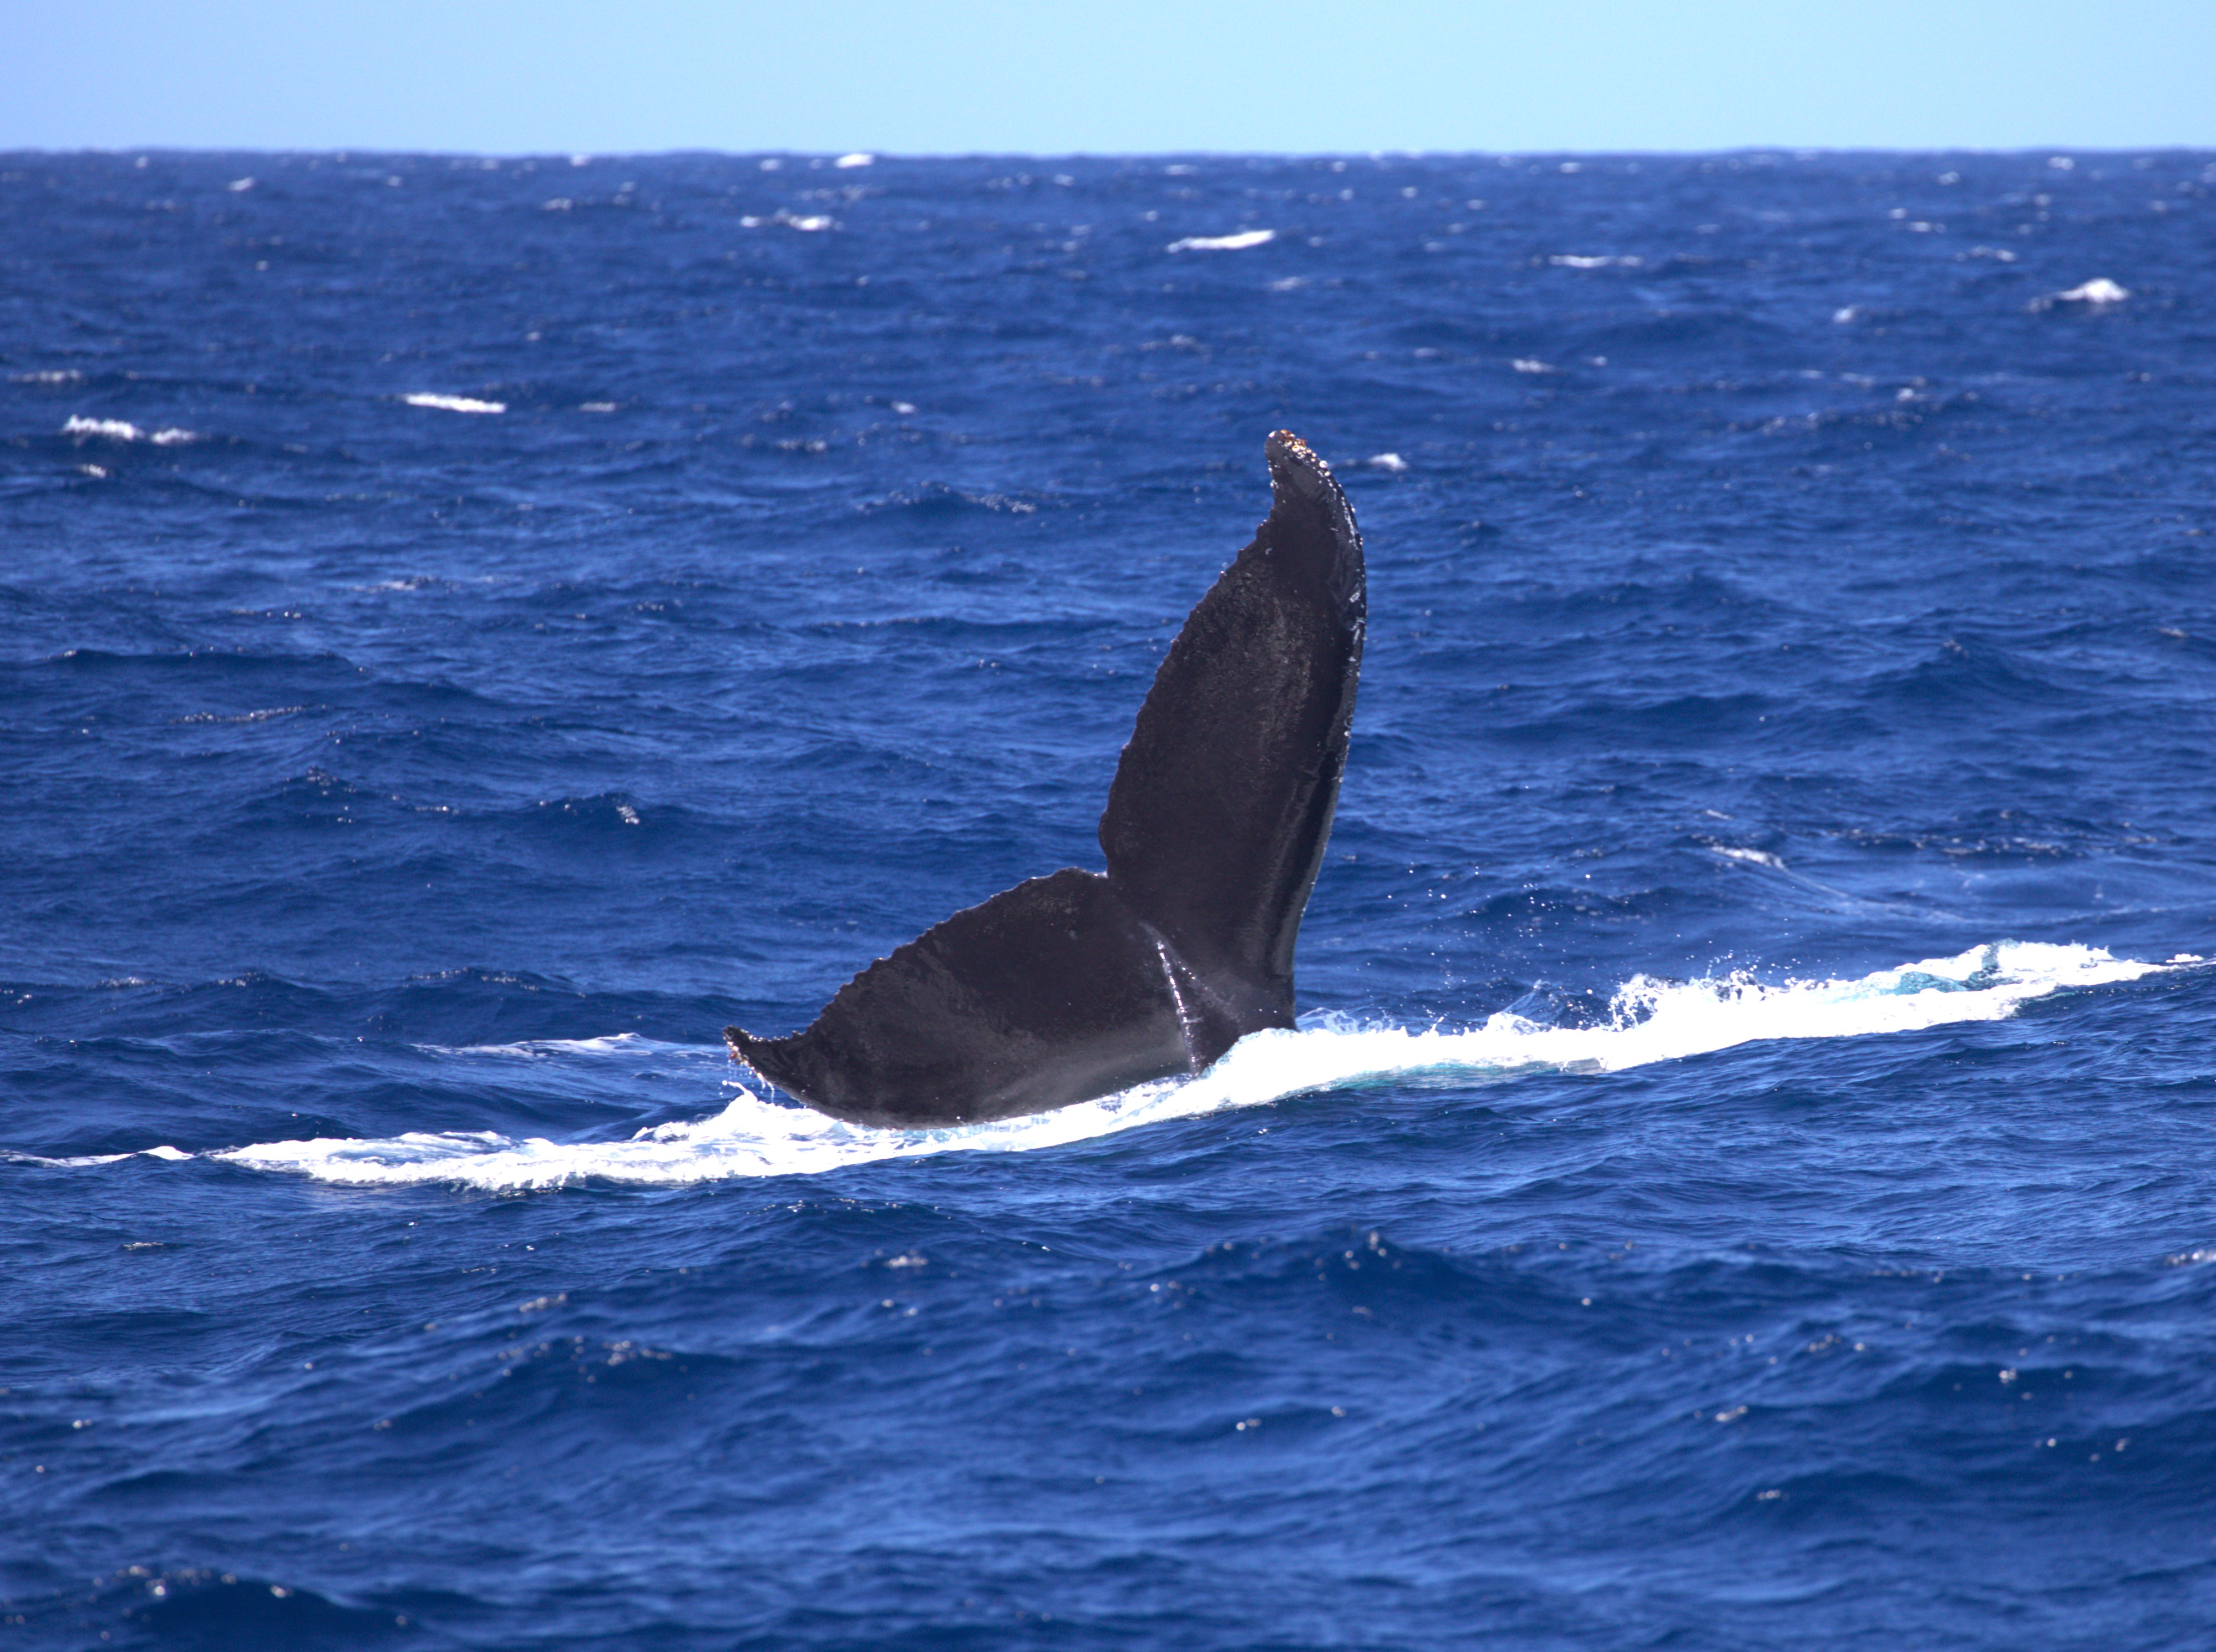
pixel 1649 1022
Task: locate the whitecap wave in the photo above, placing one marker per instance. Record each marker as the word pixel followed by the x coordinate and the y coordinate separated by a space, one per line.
pixel 1750 857
pixel 808 223
pixel 1236 242
pixel 123 430
pixel 174 1155
pixel 610 1043
pixel 452 403
pixel 2097 294
pixel 1650 1021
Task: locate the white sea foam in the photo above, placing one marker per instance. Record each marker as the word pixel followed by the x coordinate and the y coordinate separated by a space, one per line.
pixel 2097 294
pixel 123 430
pixel 857 158
pixel 610 1043
pixel 174 1155
pixel 1392 462
pixel 1580 260
pixel 114 430
pixel 47 376
pixel 1753 857
pixel 452 403
pixel 1236 242
pixel 1650 1021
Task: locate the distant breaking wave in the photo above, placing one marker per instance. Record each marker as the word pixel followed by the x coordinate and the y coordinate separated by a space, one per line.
pixel 1649 1022
pixel 1237 243
pixel 123 430
pixel 452 403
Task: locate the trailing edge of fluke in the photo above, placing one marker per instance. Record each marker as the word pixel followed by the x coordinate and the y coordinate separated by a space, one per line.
pixel 1078 984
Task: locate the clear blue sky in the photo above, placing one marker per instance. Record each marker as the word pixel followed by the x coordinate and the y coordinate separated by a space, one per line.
pixel 1108 75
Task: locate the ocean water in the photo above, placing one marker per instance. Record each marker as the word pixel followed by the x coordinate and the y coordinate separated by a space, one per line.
pixel 470 629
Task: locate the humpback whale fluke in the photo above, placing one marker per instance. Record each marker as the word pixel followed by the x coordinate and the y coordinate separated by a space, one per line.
pixel 1077 985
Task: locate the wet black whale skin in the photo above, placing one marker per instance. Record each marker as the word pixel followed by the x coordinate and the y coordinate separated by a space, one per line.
pixel 1078 984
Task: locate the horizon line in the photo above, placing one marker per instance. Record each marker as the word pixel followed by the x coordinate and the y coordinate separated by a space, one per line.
pixel 861 156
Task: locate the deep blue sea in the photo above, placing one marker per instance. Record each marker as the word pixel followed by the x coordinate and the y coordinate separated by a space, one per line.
pixel 470 629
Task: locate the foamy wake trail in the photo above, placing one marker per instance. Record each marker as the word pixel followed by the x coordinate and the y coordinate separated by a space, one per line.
pixel 1650 1020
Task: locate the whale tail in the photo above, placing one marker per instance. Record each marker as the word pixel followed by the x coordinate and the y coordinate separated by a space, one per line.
pixel 1077 985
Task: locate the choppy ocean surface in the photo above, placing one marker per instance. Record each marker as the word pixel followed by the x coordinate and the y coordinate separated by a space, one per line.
pixel 470 630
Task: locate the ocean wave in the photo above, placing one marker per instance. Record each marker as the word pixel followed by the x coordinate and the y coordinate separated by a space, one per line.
pixel 123 430
pixel 2098 293
pixel 1237 243
pixel 808 223
pixel 452 403
pixel 612 1044
pixel 174 1155
pixel 1649 1022
pixel 1751 857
